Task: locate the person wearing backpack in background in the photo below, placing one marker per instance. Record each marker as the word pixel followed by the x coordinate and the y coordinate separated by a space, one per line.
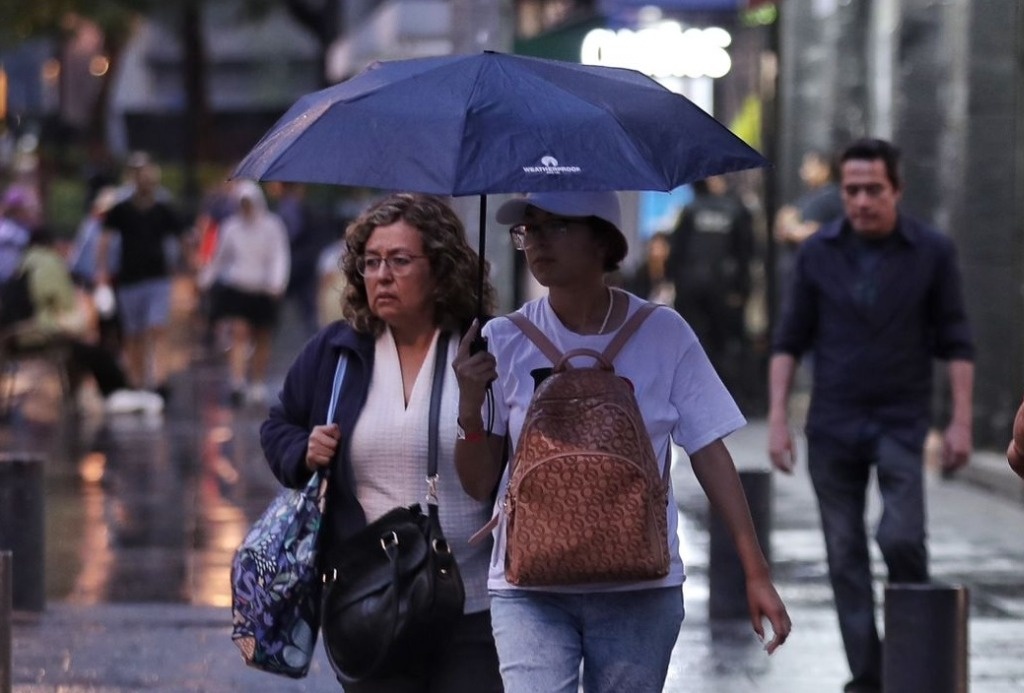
pixel 622 631
pixel 82 264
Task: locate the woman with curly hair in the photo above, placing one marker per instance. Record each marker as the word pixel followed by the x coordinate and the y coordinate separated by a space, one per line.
pixel 410 279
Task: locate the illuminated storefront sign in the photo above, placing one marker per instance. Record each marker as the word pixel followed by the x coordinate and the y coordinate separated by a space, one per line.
pixel 664 49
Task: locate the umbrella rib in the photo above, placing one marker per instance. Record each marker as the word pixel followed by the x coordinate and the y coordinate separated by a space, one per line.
pixel 278 134
pixel 465 123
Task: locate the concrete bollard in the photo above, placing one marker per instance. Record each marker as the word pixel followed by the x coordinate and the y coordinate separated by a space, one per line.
pixel 727 583
pixel 22 527
pixel 925 647
pixel 6 659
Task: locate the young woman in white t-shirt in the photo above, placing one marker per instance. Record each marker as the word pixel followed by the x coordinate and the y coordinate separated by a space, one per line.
pixel 622 633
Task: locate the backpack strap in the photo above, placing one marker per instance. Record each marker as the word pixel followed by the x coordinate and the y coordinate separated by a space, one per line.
pixel 536 336
pixel 556 357
pixel 627 330
pixel 619 341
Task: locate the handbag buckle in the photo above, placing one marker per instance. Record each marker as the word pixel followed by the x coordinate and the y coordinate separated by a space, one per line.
pixel 388 540
pixel 440 546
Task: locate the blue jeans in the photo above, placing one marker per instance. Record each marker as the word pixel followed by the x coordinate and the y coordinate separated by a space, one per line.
pixel 840 474
pixel 623 639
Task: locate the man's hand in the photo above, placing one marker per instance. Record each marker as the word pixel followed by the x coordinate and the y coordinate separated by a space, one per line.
pixel 956 448
pixel 780 447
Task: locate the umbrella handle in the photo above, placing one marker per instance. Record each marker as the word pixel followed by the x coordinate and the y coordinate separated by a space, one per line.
pixel 479 343
pixel 481 252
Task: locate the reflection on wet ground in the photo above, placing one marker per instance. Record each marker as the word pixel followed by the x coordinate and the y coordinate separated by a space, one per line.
pixel 143 509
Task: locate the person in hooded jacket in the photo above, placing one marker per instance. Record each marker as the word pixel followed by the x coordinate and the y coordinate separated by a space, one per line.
pixel 249 274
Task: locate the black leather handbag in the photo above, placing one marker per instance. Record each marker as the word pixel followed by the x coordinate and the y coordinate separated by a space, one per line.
pixel 393 591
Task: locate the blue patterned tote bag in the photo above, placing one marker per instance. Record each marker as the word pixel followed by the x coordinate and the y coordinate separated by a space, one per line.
pixel 275 585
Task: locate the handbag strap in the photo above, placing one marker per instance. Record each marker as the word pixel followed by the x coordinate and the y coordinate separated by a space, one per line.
pixel 339 376
pixel 440 365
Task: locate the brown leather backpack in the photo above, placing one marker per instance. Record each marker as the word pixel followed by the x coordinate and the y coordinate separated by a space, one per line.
pixel 585 501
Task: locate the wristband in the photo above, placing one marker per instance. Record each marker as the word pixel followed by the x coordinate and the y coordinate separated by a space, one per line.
pixel 472 436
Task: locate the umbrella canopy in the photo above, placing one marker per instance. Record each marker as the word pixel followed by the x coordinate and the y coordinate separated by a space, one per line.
pixel 495 123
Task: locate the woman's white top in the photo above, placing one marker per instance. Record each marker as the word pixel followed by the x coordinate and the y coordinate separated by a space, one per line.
pixel 679 393
pixel 389 458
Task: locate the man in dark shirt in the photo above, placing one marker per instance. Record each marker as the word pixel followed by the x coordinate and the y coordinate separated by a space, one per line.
pixel 145 224
pixel 875 297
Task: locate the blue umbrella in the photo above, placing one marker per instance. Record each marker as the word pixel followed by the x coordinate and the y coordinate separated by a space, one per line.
pixel 495 123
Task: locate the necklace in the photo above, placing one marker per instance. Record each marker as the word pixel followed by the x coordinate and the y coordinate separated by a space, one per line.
pixel 611 304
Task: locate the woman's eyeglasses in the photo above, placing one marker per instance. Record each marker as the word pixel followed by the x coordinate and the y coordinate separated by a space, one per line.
pixel 400 264
pixel 526 236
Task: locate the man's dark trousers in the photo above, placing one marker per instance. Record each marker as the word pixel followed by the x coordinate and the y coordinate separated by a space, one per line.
pixel 840 472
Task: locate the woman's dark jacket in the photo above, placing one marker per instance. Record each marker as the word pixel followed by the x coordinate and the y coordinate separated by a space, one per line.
pixel 303 404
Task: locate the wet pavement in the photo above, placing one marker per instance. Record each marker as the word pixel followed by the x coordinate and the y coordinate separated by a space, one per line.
pixel 143 516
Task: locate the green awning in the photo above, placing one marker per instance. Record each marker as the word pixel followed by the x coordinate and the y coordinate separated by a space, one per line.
pixel 561 43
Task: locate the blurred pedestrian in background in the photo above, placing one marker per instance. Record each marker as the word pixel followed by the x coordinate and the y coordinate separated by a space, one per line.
pixel 16 223
pixel 27 183
pixel 331 280
pixel 145 226
pixel 411 276
pixel 246 278
pixel 136 162
pixel 57 318
pixel 305 245
pixel 219 204
pixel 650 280
pixel 709 262
pixel 82 263
pixel 820 203
pixel 82 256
pixel 875 297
